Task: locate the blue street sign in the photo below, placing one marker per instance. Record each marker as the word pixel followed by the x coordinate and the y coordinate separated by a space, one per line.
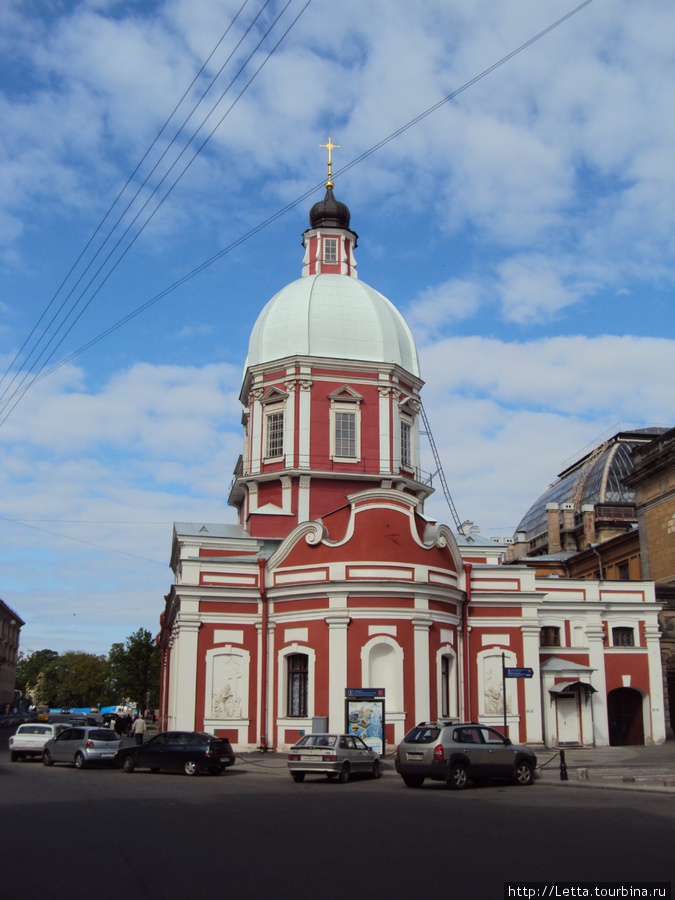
pixel 518 673
pixel 357 693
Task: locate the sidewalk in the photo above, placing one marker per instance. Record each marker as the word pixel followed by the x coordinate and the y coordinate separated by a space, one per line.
pixel 620 768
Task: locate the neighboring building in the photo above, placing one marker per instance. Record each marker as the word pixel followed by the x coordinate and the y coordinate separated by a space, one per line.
pixel 10 629
pixel 611 516
pixel 334 578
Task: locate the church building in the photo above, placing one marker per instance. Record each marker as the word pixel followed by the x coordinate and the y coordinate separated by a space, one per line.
pixel 334 580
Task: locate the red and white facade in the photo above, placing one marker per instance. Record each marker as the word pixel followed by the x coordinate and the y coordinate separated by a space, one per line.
pixel 333 578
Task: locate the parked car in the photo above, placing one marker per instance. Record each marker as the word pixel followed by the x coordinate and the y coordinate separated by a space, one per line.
pixel 31 738
pixel 82 747
pixel 190 752
pixel 334 755
pixel 458 752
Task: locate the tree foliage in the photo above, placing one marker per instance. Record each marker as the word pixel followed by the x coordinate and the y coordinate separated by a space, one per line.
pixel 134 669
pixel 76 679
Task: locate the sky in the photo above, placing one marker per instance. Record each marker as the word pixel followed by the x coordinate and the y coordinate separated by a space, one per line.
pixel 524 228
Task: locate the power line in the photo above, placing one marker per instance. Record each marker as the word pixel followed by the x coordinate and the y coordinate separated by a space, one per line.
pixel 114 203
pixel 272 218
pixel 21 389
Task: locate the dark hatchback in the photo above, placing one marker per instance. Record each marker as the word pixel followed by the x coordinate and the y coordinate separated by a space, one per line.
pixel 190 752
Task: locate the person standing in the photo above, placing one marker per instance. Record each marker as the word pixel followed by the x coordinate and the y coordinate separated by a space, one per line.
pixel 138 729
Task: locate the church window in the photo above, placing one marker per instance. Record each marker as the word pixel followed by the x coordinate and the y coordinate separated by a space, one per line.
pixel 549 636
pixel 330 250
pixel 345 427
pixel 406 443
pixel 274 434
pixel 345 434
pixel 298 681
pixel 623 637
pixel 445 685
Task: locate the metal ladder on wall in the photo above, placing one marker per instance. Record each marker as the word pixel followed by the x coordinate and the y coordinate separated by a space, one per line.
pixel 439 470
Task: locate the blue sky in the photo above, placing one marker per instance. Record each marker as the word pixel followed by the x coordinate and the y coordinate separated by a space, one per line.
pixel 525 230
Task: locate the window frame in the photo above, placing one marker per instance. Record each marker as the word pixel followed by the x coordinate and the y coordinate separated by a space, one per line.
pixel 622 632
pixel 274 412
pixel 349 407
pixel 299 675
pixel 405 426
pixel 330 244
pixel 546 631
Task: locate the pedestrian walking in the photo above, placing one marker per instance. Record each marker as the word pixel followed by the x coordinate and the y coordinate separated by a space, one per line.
pixel 138 729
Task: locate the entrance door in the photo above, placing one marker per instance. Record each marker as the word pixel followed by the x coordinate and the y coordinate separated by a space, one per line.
pixel 568 719
pixel 624 714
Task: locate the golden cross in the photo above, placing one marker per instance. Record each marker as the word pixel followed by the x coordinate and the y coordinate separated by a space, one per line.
pixel 330 146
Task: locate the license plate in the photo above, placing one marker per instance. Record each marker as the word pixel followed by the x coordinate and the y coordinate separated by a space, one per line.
pixel 415 756
pixel 107 755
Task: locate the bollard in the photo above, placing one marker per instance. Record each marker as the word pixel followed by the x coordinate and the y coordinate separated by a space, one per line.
pixel 563 767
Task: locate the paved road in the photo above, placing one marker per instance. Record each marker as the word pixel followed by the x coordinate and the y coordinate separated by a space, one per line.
pixel 255 833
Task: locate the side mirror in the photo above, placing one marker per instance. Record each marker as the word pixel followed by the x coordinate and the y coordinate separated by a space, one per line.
pixel 507 742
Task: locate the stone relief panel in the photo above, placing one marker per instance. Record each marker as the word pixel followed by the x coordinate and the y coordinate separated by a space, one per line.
pixel 493 704
pixel 229 674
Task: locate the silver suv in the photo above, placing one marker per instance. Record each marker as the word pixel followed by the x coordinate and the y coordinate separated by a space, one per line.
pixel 456 752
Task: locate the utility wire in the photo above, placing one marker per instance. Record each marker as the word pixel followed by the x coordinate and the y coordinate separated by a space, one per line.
pixel 253 231
pixel 115 201
pixel 133 221
pixel 22 388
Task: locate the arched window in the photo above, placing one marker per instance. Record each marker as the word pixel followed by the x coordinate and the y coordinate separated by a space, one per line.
pixel 297 681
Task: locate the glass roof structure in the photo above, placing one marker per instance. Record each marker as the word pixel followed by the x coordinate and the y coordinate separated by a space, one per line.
pixel 597 478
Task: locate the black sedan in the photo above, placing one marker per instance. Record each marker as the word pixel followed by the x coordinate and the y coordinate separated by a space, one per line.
pixel 190 752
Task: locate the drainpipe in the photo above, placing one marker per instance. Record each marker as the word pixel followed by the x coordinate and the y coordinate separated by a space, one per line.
pixel 600 573
pixel 163 646
pixel 263 684
pixel 465 644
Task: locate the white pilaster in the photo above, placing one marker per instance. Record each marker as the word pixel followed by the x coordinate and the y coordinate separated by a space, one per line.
pixel 385 429
pixel 185 665
pixel 533 720
pixel 337 660
pixel 421 627
pixel 595 635
pixel 658 722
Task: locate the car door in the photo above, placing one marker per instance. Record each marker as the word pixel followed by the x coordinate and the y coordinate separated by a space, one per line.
pixel 59 749
pixel 362 755
pixel 149 754
pixel 500 755
pixel 175 750
pixel 473 747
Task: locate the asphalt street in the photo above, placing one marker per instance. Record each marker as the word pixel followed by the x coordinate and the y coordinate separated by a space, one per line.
pixel 253 832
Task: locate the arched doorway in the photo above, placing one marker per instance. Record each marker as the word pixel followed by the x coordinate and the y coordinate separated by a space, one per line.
pixel 624 714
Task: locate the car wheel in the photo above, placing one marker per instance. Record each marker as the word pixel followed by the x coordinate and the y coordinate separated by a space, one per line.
pixel 457 777
pixel 343 776
pixel 413 781
pixel 376 771
pixel 298 776
pixel 523 774
pixel 190 767
pixel 47 758
pixel 14 756
pixel 128 765
pixel 80 762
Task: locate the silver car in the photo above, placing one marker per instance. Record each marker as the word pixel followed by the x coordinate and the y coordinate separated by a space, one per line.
pixel 30 739
pixel 456 752
pixel 82 746
pixel 334 755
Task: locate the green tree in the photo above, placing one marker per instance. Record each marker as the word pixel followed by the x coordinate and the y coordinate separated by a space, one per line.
pixel 134 669
pixel 37 672
pixel 83 678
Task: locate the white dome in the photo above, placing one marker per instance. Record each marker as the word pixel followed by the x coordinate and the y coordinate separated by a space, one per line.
pixel 332 316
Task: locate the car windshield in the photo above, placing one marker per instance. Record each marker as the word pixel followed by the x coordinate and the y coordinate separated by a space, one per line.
pixel 317 740
pixel 103 734
pixel 422 734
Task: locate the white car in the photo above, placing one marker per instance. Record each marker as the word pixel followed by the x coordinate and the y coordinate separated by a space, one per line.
pixel 30 739
pixel 333 755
